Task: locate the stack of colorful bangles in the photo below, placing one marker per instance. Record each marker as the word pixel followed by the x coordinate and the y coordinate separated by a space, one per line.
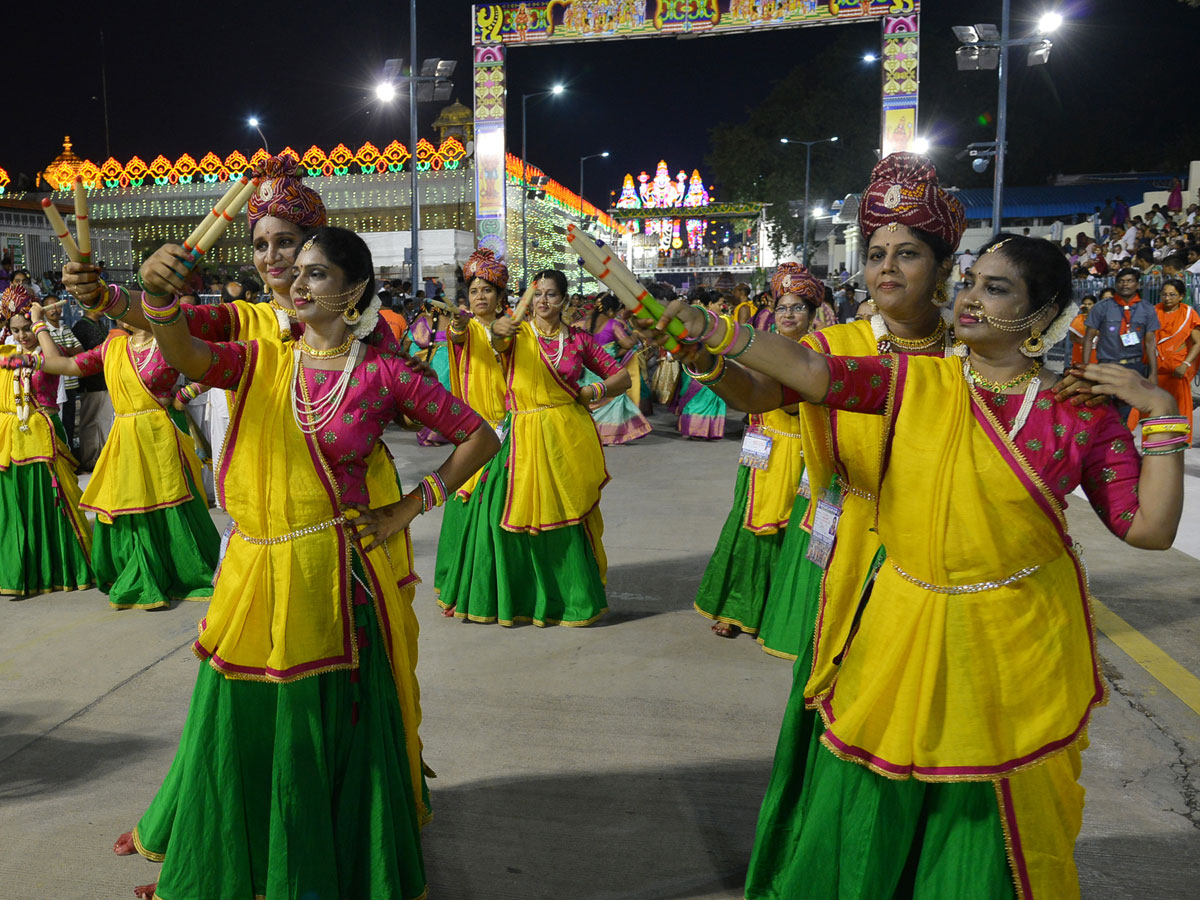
pixel 1162 435
pixel 721 350
pixel 114 302
pixel 189 392
pixel 599 390
pixel 39 327
pixel 431 492
pixel 161 315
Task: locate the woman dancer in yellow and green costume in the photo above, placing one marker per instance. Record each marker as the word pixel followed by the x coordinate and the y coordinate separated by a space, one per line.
pixel 477 377
pixel 949 761
pixel 299 769
pixel 531 548
pixel 154 540
pixel 767 494
pixel 47 540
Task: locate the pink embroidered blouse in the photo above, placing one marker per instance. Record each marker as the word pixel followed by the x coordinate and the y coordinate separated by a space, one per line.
pixel 381 388
pixel 1067 445
pixel 214 322
pixel 158 377
pixel 580 350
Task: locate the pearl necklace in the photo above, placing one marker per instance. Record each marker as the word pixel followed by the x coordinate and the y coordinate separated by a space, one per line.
pixel 312 416
pixel 141 366
pixel 558 355
pixel 1031 392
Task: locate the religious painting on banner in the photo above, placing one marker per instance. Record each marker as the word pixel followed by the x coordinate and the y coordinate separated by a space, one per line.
pixel 578 20
pixel 901 65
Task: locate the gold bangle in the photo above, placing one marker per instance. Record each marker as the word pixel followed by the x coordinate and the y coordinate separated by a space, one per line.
pixel 715 374
pixel 1166 428
pixel 726 339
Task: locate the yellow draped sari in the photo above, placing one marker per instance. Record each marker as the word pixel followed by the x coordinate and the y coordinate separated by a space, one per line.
pixel 848 445
pixel 143 464
pixel 281 606
pixel 555 464
pixel 38 442
pixel 975 657
pixel 478 378
pixel 772 491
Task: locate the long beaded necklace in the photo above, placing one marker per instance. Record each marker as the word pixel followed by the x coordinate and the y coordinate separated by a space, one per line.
pixel 313 415
pixel 558 355
pixel 142 364
pixel 995 387
pixel 23 396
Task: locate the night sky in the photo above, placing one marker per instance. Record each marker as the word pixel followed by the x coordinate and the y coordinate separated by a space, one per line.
pixel 1120 81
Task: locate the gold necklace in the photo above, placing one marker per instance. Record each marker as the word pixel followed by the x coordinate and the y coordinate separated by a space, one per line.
pixel 918 343
pixel 550 336
pixel 999 387
pixel 279 307
pixel 333 352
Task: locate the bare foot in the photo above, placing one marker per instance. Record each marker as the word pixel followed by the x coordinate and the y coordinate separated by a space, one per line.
pixel 124 845
pixel 725 630
pixel 145 891
pixel 449 612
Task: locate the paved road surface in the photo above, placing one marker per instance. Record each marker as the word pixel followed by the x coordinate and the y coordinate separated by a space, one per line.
pixel 625 760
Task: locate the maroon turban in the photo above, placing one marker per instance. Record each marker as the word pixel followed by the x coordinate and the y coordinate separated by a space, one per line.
pixel 283 195
pixel 904 190
pixel 793 278
pixel 483 264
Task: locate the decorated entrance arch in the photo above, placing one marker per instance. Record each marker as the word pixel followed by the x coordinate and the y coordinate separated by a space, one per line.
pixel 496 27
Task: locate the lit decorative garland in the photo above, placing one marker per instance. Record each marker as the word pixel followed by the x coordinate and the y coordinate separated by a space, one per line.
pixel 212 169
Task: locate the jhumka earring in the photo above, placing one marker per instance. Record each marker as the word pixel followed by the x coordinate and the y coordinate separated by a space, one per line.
pixel 940 297
pixel 351 315
pixel 1033 346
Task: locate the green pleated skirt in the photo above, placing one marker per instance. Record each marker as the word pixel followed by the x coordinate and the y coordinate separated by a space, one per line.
pixel 834 830
pixel 550 578
pixel 739 573
pixel 288 791
pixel 146 560
pixel 454 519
pixel 40 552
pixel 785 630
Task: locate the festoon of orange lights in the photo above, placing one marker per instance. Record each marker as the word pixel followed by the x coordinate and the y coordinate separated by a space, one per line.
pixel 211 169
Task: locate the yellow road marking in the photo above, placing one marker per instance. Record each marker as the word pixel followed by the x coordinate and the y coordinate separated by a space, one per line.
pixel 1174 677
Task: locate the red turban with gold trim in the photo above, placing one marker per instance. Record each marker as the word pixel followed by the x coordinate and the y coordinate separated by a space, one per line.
pixel 904 189
pixel 283 195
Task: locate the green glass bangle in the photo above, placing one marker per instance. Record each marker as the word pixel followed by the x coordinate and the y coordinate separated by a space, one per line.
pixel 748 343
pixel 149 293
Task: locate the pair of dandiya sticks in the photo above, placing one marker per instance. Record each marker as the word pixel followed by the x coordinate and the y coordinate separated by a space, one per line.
pixel 198 243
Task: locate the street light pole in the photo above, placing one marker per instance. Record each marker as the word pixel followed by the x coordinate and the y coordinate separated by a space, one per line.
pixel 808 145
pixel 415 205
pixel 582 160
pixel 558 89
pixel 1001 122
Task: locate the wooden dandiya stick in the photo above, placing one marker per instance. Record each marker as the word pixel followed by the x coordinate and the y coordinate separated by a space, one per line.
pixel 599 259
pixel 61 230
pixel 82 227
pixel 453 310
pixel 211 219
pixel 524 303
pixel 214 231
pixel 54 305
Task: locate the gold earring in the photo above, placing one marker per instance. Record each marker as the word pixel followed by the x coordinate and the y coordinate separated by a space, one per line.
pixel 940 297
pixel 351 316
pixel 1033 346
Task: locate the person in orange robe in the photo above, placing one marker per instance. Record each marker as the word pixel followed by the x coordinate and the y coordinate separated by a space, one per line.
pixel 1078 330
pixel 1178 345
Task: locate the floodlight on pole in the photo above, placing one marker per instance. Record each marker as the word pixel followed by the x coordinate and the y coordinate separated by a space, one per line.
pixel 1049 23
pixel 555 91
pixel 869 57
pixel 385 91
pixel 921 145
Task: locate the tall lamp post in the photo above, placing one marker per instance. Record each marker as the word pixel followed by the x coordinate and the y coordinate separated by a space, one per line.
pixel 808 145
pixel 254 123
pixel 582 219
pixel 556 90
pixel 983 47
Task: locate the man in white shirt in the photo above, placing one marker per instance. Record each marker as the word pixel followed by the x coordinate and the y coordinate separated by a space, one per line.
pixel 966 259
pixel 1129 240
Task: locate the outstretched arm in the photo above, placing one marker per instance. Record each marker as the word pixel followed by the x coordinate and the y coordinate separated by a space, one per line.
pixel 188 354
pixel 54 360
